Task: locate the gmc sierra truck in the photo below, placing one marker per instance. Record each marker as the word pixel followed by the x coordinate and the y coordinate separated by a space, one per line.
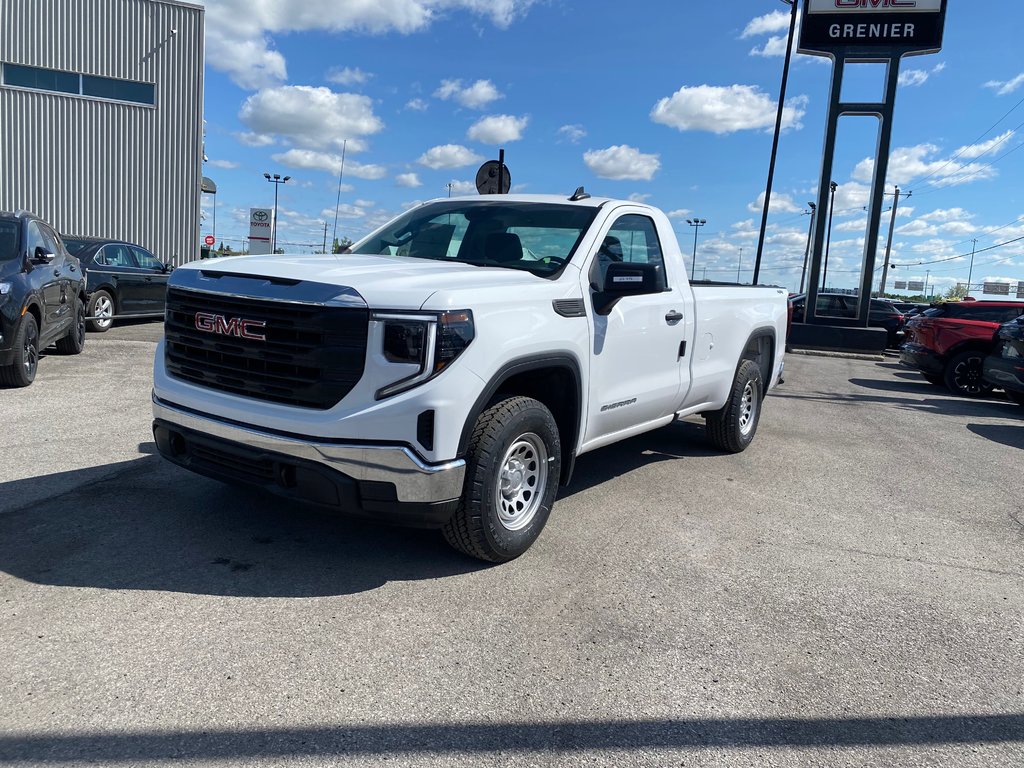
pixel 448 370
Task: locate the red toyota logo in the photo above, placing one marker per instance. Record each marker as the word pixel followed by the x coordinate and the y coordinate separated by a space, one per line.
pixel 235 326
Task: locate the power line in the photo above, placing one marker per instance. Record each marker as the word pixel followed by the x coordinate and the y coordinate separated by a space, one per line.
pixel 961 256
pixel 938 185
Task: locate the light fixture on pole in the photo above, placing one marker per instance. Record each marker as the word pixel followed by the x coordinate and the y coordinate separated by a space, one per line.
pixel 337 204
pixel 277 181
pixel 974 249
pixel 810 233
pixel 696 224
pixel 828 239
pixel 739 266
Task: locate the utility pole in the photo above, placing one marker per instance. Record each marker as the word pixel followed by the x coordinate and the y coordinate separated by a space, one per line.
pixel 928 277
pixel 325 237
pixel 739 266
pixel 807 253
pixel 888 245
pixel 970 274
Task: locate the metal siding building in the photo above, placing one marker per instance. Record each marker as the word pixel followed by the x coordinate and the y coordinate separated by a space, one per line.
pixel 98 166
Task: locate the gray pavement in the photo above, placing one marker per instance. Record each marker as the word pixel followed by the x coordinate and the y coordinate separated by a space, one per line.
pixel 846 592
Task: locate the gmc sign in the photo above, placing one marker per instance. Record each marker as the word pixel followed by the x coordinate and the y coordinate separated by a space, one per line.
pixel 235 326
pixel 872 27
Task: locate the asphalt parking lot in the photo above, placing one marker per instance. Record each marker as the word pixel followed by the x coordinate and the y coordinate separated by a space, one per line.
pixel 846 592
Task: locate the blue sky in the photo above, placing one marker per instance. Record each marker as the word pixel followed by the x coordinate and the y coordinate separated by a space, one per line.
pixel 667 102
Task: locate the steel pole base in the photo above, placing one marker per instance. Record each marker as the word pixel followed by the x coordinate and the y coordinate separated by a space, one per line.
pixel 834 338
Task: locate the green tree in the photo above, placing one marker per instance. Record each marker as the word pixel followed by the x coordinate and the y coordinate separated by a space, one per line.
pixel 342 245
pixel 957 292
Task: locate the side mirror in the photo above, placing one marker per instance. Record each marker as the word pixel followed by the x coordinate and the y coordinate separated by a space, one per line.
pixel 165 268
pixel 42 256
pixel 624 279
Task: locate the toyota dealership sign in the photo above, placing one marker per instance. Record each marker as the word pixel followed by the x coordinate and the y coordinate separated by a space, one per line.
pixel 868 26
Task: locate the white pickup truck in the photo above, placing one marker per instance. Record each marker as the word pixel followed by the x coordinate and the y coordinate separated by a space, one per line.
pixel 448 371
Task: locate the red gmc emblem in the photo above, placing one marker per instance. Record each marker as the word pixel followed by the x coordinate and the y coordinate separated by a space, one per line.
pixel 235 326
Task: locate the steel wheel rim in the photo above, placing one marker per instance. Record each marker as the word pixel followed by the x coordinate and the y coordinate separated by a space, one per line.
pixel 522 481
pixel 31 354
pixel 103 311
pixel 748 408
pixel 967 375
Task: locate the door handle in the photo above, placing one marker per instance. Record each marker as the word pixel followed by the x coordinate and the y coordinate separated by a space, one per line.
pixel 673 317
pixel 56 273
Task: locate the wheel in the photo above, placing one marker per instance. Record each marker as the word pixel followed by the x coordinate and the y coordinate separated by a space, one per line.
pixel 22 370
pixel 512 476
pixel 73 343
pixel 931 378
pixel 101 307
pixel 964 375
pixel 732 428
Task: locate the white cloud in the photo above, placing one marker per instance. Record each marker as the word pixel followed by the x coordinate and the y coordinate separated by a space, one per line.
pixel 310 117
pixel 1008 87
pixel 347 76
pixel 780 204
pixel 851 198
pixel 776 21
pixel 498 129
pixel 251 139
pixel 475 96
pixel 449 156
pixel 679 213
pixel 913 77
pixel 947 214
pixel 572 133
pixel 639 197
pixel 408 180
pixel 726 109
pixel 417 105
pixel 463 188
pixel 622 162
pixel 974 151
pixel 225 164
pixel 908 163
pixel 330 162
pixel 238 32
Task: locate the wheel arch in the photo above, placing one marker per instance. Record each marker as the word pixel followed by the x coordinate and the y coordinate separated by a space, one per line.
pixel 760 348
pixel 554 380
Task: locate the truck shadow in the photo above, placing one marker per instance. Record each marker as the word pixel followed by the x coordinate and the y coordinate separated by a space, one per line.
pixel 1010 436
pixel 147 525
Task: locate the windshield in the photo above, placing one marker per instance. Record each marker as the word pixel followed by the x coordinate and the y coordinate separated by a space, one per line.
pixel 10 232
pixel 535 237
pixel 75 246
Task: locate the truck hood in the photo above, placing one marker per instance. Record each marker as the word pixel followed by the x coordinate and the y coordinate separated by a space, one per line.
pixel 391 282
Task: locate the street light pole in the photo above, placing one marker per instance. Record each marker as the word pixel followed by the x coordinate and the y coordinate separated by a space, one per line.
pixel 775 142
pixel 696 224
pixel 739 266
pixel 828 239
pixel 888 246
pixel 337 204
pixel 277 181
pixel 807 253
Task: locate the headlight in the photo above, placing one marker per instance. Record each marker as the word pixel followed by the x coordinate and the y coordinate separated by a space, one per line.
pixel 5 289
pixel 431 342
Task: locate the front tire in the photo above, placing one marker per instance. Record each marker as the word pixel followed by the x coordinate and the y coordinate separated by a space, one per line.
pixel 514 464
pixel 22 370
pixel 963 375
pixel 101 308
pixel 733 427
pixel 74 341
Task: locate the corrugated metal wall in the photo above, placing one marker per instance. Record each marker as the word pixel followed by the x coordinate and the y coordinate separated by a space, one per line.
pixel 101 168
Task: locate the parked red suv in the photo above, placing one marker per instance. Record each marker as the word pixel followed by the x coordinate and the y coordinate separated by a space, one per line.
pixel 948 343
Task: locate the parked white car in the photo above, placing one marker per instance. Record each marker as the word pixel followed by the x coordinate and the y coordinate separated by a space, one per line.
pixel 449 370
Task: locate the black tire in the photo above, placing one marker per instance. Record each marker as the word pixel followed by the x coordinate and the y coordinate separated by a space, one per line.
pixel 963 375
pixel 733 427
pixel 931 378
pixel 74 341
pixel 512 473
pixel 101 304
pixel 22 370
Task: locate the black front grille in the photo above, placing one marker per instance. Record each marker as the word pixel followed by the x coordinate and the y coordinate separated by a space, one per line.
pixel 312 356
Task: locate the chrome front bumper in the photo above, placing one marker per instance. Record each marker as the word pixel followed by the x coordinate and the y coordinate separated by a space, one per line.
pixel 414 480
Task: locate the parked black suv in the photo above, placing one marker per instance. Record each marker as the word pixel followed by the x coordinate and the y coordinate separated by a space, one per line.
pixel 882 314
pixel 42 297
pixel 122 279
pixel 1004 367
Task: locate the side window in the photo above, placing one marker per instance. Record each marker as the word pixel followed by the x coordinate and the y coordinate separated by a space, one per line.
pixel 632 239
pixel 146 260
pixel 118 256
pixel 52 241
pixel 34 239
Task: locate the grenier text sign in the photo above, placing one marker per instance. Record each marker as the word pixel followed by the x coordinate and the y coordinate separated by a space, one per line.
pixel 867 27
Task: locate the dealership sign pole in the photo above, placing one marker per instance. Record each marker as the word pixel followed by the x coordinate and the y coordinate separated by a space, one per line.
pixel 863 31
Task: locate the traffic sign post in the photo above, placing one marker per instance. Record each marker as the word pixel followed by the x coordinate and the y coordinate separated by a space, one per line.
pixel 209 240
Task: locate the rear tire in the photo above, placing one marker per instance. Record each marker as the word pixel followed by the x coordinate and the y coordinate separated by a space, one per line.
pixel 963 375
pixel 512 473
pixel 22 370
pixel 101 307
pixel 733 427
pixel 74 342
pixel 931 378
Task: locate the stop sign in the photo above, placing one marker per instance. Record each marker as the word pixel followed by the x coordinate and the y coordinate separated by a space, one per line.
pixel 209 240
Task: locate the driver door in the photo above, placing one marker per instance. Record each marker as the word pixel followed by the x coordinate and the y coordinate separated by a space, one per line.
pixel 637 372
